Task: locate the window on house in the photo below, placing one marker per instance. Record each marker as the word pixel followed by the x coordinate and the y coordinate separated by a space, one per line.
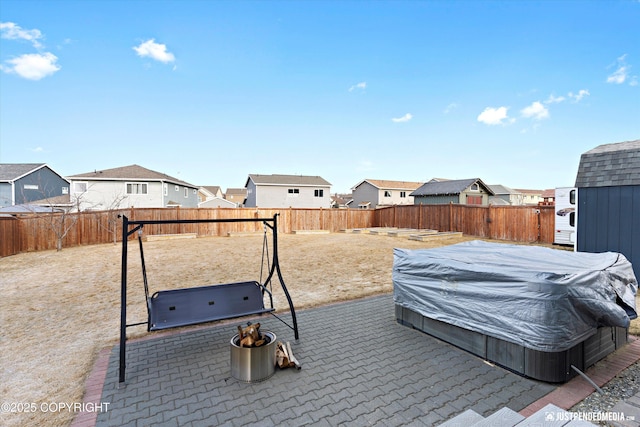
pixel 136 188
pixel 293 191
pixel 31 187
pixel 177 188
pixel 65 190
pixel 387 193
pixel 474 187
pixel 186 192
pixel 165 189
pixel 318 193
pixel 403 194
pixel 80 187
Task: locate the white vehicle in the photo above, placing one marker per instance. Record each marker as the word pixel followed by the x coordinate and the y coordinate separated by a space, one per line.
pixel 566 210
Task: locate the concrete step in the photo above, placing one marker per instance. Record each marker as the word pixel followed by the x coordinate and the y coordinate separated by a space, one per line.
pixel 504 417
pixel 465 419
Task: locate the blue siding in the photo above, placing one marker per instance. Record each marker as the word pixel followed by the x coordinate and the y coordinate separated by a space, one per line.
pixel 608 220
pixel 46 184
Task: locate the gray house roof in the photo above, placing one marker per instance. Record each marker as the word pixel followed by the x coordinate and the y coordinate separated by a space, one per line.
pixel 610 165
pixel 300 180
pixel 13 171
pixel 213 189
pixel 454 186
pixel 502 189
pixel 132 172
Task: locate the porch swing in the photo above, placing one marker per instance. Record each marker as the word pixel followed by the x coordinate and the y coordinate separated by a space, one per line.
pixel 175 308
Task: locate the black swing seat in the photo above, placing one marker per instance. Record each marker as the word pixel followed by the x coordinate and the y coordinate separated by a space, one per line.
pixel 182 307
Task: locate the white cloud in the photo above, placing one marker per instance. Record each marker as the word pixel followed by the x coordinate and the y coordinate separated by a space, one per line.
pixel 153 50
pixel 535 111
pixel 403 119
pixel 33 66
pixel 554 99
pixel 450 108
pixel 493 116
pixel 578 96
pixel 12 31
pixel 621 74
pixel 361 86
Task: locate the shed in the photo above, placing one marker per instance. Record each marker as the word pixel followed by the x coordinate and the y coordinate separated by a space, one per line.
pixel 608 183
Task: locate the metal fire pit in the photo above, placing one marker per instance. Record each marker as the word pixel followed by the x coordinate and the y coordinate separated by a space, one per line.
pixel 251 364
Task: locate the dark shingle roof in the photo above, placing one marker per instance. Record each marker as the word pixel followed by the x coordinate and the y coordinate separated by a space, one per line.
pixel 301 180
pixel 454 186
pixel 610 165
pixel 131 172
pixel 13 171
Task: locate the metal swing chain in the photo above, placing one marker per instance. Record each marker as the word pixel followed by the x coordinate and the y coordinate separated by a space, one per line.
pixel 265 249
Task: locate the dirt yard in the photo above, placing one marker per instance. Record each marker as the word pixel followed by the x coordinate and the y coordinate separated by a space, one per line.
pixel 59 309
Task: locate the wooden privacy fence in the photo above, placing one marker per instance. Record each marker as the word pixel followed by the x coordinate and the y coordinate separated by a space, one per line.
pixel 37 232
pixel 514 223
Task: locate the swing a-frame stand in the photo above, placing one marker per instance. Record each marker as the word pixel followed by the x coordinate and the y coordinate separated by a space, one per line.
pixel 190 306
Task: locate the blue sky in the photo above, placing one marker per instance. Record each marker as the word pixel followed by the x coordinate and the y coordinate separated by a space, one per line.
pixel 512 92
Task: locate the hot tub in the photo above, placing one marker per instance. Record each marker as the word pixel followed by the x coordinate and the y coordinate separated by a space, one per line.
pixel 537 311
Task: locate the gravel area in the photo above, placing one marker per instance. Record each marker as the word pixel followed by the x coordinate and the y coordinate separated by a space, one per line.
pixel 623 386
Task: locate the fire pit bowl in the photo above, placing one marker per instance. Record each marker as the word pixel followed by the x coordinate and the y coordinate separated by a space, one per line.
pixel 251 364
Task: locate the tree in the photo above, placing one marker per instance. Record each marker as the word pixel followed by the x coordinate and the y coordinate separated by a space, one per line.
pixel 58 213
pixel 111 215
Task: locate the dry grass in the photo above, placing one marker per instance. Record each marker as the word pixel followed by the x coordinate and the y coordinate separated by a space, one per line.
pixel 58 309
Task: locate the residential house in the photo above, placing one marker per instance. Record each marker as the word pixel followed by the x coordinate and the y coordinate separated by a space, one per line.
pixel 217 202
pixel 211 196
pixel 531 197
pixel 503 195
pixel 341 201
pixel 131 186
pixel 548 197
pixel 236 195
pixel 373 193
pixel 470 191
pixel 283 191
pixel 208 192
pixel 25 183
pixel 608 183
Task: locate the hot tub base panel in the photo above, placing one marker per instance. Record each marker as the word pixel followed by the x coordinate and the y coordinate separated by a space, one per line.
pixel 553 367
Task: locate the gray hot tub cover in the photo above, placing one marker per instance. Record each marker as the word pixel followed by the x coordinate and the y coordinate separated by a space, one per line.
pixel 541 298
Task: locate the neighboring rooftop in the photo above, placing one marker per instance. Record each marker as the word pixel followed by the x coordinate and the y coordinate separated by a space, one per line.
pixel 453 186
pixel 287 180
pixel 131 172
pixel 391 185
pixel 502 189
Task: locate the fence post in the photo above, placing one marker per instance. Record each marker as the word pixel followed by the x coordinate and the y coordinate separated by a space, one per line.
pixel 489 221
